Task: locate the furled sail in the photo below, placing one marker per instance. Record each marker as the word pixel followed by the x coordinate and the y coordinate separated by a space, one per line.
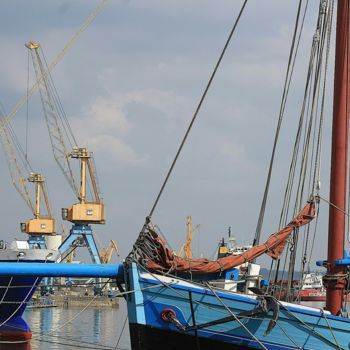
pixel 151 250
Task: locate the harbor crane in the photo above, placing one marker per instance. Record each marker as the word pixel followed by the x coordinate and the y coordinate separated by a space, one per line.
pixel 85 212
pixel 6 120
pixel 40 225
pixel 106 253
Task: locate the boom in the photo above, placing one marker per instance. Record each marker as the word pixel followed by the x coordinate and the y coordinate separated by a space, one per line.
pixel 106 253
pixel 58 58
pixel 40 224
pixel 54 115
pixel 61 135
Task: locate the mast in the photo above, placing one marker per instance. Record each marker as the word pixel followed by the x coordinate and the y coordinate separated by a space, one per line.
pixel 334 279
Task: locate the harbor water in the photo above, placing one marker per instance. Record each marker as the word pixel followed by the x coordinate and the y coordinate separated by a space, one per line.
pixel 75 328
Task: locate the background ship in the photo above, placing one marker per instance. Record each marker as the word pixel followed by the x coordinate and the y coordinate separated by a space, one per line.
pixel 16 292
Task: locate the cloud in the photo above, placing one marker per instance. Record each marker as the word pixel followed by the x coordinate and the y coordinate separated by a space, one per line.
pixel 172 106
pixel 13 74
pixel 108 126
pixel 106 116
pixel 117 148
pixel 138 71
pixel 102 126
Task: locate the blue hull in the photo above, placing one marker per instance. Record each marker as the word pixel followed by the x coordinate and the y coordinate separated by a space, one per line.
pixel 15 293
pixel 296 327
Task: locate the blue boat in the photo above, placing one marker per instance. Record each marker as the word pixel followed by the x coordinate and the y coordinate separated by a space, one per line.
pixel 171 302
pixel 169 312
pixel 16 291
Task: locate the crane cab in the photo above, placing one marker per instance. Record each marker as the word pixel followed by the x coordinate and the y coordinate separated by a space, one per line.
pixel 39 227
pixel 85 213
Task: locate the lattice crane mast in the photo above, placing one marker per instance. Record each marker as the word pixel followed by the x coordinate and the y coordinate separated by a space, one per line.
pixel 85 212
pixel 41 225
pixel 56 60
pixel 106 253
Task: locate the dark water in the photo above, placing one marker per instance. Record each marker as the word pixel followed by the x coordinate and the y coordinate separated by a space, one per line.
pixel 92 328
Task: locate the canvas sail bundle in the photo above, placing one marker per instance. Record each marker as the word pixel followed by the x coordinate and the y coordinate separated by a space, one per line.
pixel 152 252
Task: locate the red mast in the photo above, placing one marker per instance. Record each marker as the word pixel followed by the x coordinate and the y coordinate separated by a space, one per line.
pixel 334 280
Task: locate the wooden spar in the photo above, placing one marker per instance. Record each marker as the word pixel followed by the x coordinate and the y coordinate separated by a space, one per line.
pixel 336 235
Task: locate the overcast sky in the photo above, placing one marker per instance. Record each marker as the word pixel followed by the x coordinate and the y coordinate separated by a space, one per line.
pixel 129 87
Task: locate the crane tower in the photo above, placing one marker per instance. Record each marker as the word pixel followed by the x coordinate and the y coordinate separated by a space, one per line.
pixel 85 212
pixel 40 225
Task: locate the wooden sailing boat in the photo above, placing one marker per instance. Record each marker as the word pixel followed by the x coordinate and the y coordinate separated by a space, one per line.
pixel 167 308
pixel 171 303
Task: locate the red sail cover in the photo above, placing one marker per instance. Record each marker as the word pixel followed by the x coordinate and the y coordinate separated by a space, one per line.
pixel 166 260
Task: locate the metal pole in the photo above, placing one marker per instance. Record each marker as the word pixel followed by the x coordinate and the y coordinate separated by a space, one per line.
pixel 335 284
pixel 62 270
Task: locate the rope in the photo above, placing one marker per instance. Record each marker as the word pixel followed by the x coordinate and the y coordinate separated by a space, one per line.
pixel 288 336
pixel 204 305
pixel 195 114
pixel 330 328
pixel 41 335
pixel 77 314
pixel 121 333
pixel 323 338
pixel 287 82
pixel 326 35
pixel 23 301
pixel 21 304
pixel 236 318
pixel 335 206
pixel 310 328
pixel 306 156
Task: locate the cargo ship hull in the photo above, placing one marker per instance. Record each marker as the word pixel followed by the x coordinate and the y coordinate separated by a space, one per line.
pixel 16 292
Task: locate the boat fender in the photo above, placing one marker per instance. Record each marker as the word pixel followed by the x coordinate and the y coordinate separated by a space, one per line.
pixel 169 315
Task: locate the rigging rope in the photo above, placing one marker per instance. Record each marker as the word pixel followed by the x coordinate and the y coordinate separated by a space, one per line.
pixel 236 318
pixel 121 333
pixel 182 294
pixel 287 82
pixel 195 115
pixel 306 167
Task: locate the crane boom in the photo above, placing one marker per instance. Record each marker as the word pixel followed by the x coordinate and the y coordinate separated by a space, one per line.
pixel 39 225
pixel 16 173
pixel 53 117
pixel 106 253
pixel 61 134
pixel 57 59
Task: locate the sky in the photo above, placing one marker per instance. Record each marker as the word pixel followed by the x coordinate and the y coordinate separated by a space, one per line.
pixel 129 87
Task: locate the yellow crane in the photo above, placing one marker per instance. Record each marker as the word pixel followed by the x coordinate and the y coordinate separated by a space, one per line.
pixel 85 211
pixel 106 253
pixel 5 121
pixel 18 179
pixel 186 249
pixel 41 224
